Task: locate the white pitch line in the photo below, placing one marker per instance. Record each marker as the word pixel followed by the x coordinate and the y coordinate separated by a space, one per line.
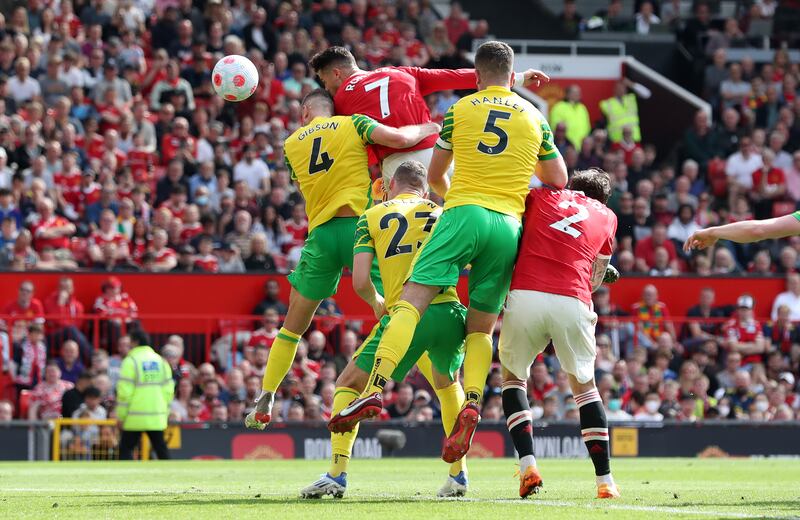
pixel 514 502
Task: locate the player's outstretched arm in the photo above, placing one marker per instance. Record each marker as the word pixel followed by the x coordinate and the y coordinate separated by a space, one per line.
pixel 553 172
pixel 405 136
pixel 437 171
pixel 744 232
pixel 599 271
pixel 362 283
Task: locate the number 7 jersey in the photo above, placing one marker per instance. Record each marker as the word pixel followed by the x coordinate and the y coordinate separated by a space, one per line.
pixel 394 231
pixel 564 231
pixel 328 159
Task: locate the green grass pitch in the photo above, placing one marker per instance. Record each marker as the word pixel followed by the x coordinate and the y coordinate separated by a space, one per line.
pixel 398 488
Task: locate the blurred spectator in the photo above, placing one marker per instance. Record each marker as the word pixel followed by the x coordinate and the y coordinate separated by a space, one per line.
pixel 622 110
pixel 116 310
pixel 646 18
pixel 6 411
pixel 653 315
pixel 790 298
pixel 45 401
pixel 65 316
pixel 271 300
pixel 69 362
pixel 743 334
pixel 31 358
pixel 402 405
pixel 73 398
pixel 574 114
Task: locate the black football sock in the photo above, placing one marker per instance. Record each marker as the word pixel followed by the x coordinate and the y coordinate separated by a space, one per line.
pixel 594 429
pixel 518 419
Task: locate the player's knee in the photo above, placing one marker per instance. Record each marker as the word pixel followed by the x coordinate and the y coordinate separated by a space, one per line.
pixel 441 381
pixel 579 387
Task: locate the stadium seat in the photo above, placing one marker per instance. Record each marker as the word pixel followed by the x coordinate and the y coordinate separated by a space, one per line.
pixel 24 403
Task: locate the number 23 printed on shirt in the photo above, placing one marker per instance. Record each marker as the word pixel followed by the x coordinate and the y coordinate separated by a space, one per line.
pixel 395 247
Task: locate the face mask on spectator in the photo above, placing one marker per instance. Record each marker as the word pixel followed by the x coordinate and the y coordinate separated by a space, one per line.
pixel 762 406
pixel 537 412
pixel 201 201
pixel 723 411
pixel 615 405
pixel 651 406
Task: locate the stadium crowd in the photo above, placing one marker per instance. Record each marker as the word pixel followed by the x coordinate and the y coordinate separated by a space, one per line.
pixel 116 156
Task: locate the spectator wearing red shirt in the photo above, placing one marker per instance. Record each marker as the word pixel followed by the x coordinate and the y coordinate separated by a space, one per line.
pixel 23 311
pixel 302 366
pixel 267 333
pixel 653 315
pixel 205 260
pixel 31 358
pixel 116 308
pixel 769 185
pixel 743 333
pixel 65 317
pixel 165 258
pixel 52 230
pixel 645 250
pixel 178 143
pixel 68 180
pixel 191 223
pixel 456 23
pixel 108 235
pixel 46 397
pixel 297 228
pixel 542 384
pixel 627 145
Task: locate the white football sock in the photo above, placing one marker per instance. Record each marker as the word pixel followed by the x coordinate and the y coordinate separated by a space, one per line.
pixel 605 479
pixel 525 462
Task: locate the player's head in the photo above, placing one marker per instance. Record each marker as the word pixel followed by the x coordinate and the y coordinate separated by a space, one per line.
pixel 333 66
pixel 409 177
pixel 594 183
pixel 494 63
pixel 317 103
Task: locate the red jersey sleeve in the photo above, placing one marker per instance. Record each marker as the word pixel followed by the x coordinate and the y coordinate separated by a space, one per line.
pixel 434 80
pixel 608 245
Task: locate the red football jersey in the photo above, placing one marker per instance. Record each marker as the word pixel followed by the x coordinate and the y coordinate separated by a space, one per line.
pixel 563 234
pixel 744 332
pixel 207 263
pixel 99 239
pixel 394 96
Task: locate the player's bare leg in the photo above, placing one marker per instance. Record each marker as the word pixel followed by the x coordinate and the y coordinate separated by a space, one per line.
pixel 477 362
pixel 298 318
pixel 594 429
pixel 349 385
pixel 519 422
pixel 405 315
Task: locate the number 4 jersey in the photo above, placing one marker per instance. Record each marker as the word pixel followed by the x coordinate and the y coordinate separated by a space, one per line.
pixel 328 159
pixel 563 233
pixel 394 231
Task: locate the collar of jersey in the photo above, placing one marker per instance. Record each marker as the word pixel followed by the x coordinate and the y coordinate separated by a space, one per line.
pixel 498 87
pixel 407 196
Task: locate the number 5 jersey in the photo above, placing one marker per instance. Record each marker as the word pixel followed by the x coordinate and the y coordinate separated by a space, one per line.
pixel 564 232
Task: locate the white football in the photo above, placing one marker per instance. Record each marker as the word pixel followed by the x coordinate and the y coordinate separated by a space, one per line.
pixel 235 78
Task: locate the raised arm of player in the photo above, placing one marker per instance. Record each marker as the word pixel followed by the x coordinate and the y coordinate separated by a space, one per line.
pixel 551 168
pixel 745 232
pixel 435 80
pixel 437 171
pixel 403 137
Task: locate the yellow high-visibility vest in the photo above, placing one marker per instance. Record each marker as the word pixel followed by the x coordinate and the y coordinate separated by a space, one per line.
pixel 620 114
pixel 144 391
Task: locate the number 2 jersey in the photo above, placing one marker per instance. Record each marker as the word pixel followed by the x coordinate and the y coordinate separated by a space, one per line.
pixel 564 231
pixel 328 159
pixel 395 97
pixel 497 139
pixel 394 231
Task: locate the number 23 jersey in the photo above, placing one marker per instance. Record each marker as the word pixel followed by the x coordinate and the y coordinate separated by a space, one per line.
pixel 394 231
pixel 328 159
pixel 563 232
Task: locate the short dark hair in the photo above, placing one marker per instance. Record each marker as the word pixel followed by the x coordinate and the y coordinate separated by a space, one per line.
pixel 319 96
pixel 594 183
pixel 139 337
pixel 92 391
pixel 337 56
pixel 412 174
pixel 494 59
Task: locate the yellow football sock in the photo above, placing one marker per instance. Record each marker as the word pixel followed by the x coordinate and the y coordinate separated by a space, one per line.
pixel 451 400
pixel 281 356
pixel 477 362
pixel 342 443
pixel 393 346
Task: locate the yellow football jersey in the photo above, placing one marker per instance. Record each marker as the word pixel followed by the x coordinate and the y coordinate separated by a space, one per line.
pixel 394 232
pixel 497 138
pixel 328 158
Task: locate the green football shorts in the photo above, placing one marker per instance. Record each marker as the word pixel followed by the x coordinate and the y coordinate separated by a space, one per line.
pixel 328 250
pixel 466 235
pixel 440 332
